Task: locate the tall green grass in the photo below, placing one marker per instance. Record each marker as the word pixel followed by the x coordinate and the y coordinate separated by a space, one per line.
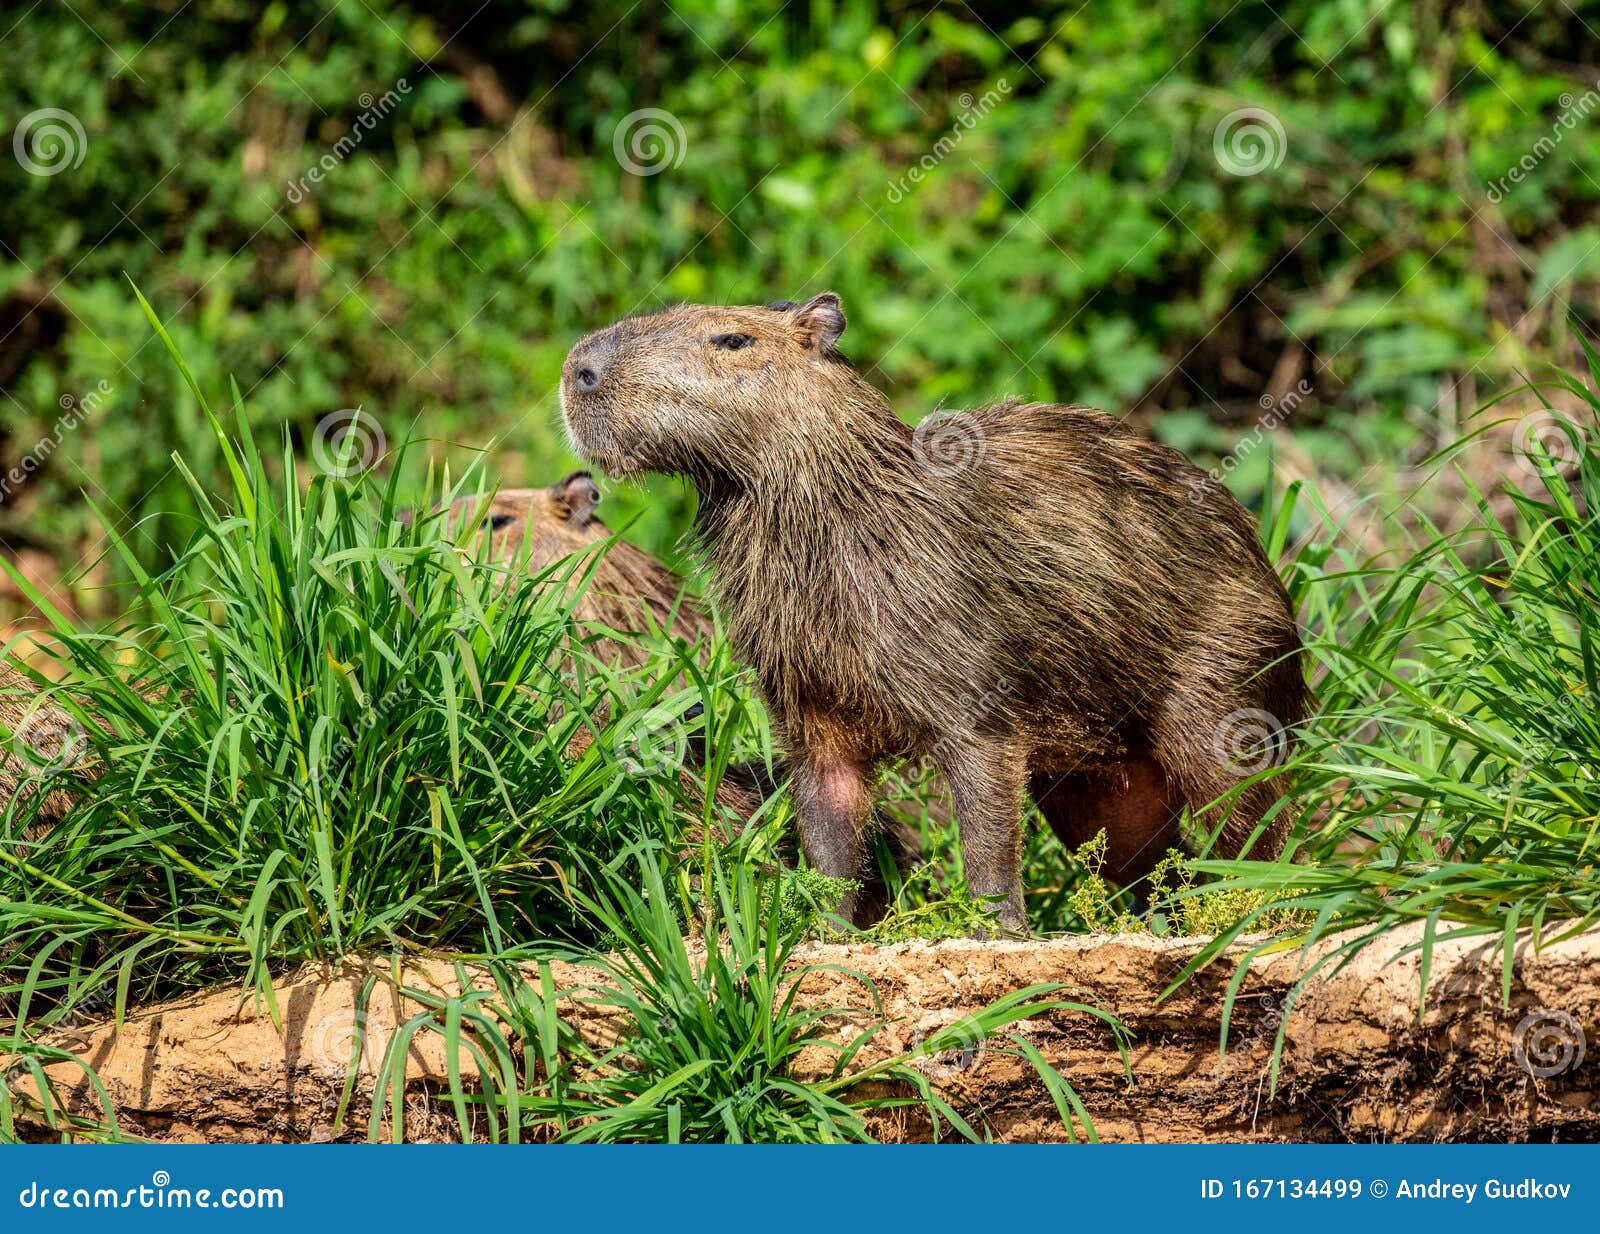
pixel 1452 774
pixel 706 1033
pixel 332 729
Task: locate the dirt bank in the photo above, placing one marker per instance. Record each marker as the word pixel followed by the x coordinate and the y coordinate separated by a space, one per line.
pixel 1359 1061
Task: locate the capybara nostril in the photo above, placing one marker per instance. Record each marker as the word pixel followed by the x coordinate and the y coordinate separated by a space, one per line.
pixel 587 378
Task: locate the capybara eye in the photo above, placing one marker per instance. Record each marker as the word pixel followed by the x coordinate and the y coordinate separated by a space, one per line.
pixel 501 520
pixel 731 342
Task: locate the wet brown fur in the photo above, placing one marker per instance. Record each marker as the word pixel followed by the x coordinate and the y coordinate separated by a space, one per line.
pixel 1078 612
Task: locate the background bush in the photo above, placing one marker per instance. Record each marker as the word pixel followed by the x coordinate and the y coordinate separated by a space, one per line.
pixel 1081 241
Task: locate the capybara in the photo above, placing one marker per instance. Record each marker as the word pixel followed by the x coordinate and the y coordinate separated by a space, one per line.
pixel 627 590
pixel 1033 597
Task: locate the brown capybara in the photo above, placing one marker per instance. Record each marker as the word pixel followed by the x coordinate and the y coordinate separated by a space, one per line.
pixel 627 590
pixel 1033 597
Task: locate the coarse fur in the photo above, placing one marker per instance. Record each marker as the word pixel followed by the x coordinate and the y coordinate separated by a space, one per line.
pixel 1033 597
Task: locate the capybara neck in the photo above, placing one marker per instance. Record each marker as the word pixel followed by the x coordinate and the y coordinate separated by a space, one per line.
pixel 841 458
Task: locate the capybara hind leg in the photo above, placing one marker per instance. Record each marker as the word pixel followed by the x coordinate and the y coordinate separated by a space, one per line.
pixel 1224 726
pixel 986 789
pixel 832 805
pixel 1131 800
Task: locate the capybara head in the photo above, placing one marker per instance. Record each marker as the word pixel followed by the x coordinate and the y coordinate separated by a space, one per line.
pixel 700 389
pixel 549 523
pixel 627 590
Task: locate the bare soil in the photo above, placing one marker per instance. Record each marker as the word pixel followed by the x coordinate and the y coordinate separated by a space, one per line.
pixel 1361 1059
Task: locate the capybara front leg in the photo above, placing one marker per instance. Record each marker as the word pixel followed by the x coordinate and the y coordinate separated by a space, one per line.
pixel 832 804
pixel 986 786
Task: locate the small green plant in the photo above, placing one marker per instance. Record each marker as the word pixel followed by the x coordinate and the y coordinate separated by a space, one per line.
pixel 709 1032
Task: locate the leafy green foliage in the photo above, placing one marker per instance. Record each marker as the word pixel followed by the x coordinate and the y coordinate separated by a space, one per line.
pixel 1081 241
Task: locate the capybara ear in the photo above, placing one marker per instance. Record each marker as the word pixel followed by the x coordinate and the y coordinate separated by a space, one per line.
pixel 577 496
pixel 822 319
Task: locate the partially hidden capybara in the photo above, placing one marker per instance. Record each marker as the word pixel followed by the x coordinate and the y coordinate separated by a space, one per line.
pixel 1032 597
pixel 626 591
